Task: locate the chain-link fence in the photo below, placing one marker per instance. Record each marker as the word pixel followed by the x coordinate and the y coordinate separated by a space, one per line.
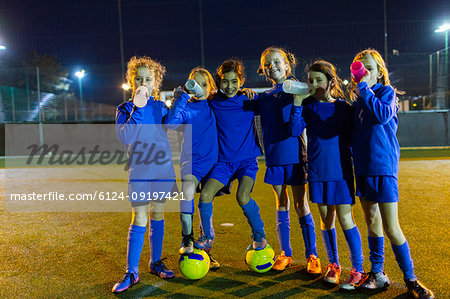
pixel 50 94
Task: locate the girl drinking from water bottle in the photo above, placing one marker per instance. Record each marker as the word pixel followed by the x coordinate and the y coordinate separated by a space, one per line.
pixel 200 147
pixel 376 154
pixel 329 121
pixel 139 126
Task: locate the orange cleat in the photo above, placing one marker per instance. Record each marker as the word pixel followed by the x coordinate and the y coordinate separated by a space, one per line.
pixel 313 265
pixel 281 262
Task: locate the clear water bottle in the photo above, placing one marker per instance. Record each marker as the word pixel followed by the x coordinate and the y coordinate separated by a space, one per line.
pixel 295 87
pixel 141 96
pixel 192 86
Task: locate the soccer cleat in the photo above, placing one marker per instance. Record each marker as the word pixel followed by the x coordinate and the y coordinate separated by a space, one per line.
pixel 281 262
pixel 355 280
pixel 332 273
pixel 128 280
pixel 418 290
pixel 214 264
pixel 204 243
pixel 187 245
pixel 158 268
pixel 376 281
pixel 313 265
pixel 259 242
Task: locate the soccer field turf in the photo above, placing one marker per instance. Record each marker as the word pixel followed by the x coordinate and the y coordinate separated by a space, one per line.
pixel 65 254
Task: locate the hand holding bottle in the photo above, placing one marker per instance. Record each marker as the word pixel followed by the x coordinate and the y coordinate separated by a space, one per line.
pixel 358 71
pixel 141 96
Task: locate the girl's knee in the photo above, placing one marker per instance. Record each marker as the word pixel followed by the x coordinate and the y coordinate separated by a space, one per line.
pixel 242 197
pixel 394 233
pixel 206 196
pixel 327 223
pixel 139 219
pixel 156 216
pixel 346 221
pixel 189 192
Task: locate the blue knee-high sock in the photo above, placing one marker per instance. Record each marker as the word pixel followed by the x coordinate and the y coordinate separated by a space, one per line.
pixel 353 238
pixel 404 260
pixel 135 242
pixel 251 212
pixel 284 232
pixel 309 234
pixel 330 241
pixel 206 213
pixel 376 257
pixel 156 237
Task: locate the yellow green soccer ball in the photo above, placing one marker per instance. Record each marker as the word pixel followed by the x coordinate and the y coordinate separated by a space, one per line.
pixel 195 265
pixel 260 261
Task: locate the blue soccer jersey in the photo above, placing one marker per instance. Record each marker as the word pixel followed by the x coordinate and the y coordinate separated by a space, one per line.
pixel 329 130
pixel 236 129
pixel 376 151
pixel 148 148
pixel 281 147
pixel 200 145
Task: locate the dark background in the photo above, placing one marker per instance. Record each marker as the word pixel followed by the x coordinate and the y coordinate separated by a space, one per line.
pixel 85 34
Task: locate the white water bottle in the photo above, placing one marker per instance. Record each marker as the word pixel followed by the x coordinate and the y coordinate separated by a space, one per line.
pixel 192 86
pixel 295 87
pixel 141 97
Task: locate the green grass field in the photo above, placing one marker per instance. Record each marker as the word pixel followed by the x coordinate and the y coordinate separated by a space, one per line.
pixel 80 255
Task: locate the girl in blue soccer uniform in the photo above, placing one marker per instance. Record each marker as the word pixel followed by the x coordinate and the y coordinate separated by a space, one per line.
pixel 200 147
pixel 285 158
pixel 238 149
pixel 376 155
pixel 140 128
pixel 329 122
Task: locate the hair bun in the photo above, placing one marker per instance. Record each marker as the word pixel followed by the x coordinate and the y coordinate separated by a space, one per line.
pixel 291 58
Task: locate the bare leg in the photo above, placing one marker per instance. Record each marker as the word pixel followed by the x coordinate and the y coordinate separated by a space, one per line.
pixel 389 214
pixel 373 218
pixel 300 200
pixel 345 216
pixel 281 197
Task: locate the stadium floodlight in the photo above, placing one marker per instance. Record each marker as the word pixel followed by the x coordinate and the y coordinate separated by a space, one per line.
pixel 2 47
pixel 125 86
pixel 80 75
pixel 443 28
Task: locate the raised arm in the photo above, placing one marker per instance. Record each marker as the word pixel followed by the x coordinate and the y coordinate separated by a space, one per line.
pixel 296 121
pixel 382 108
pixel 129 121
pixel 177 114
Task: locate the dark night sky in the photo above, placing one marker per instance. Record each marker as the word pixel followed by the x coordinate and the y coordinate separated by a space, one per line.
pixel 86 33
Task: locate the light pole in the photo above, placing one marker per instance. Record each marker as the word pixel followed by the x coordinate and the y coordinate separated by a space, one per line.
pixel 445 28
pixel 80 75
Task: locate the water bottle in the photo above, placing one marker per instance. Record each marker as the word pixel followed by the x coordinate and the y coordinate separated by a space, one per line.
pixel 358 71
pixel 295 87
pixel 192 86
pixel 141 96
